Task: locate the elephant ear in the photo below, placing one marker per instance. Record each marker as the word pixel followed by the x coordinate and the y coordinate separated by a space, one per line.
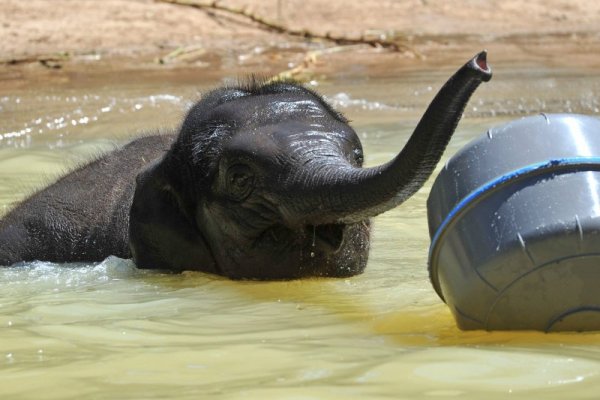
pixel 162 234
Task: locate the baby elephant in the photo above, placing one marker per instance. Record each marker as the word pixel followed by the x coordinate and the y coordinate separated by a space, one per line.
pixel 260 182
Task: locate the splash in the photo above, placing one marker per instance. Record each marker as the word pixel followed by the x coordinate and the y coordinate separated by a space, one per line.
pixel 43 276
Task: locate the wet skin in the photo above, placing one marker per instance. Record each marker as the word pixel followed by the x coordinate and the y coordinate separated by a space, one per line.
pixel 263 181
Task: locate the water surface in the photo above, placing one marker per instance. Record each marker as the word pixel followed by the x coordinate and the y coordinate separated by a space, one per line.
pixel 109 330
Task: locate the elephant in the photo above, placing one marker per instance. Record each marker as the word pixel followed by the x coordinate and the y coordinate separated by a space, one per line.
pixel 263 180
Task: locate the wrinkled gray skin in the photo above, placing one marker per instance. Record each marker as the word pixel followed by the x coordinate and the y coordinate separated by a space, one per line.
pixel 261 182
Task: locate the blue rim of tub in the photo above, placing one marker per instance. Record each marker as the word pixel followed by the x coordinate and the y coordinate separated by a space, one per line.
pixel 555 166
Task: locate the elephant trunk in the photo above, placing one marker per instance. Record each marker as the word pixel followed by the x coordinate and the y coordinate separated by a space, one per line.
pixel 346 194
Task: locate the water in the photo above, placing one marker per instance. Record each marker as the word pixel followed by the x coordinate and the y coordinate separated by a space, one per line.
pixel 108 330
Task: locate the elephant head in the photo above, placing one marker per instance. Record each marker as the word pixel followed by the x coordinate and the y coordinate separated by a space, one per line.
pixel 266 182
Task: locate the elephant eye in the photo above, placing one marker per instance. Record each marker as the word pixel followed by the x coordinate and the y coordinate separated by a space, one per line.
pixel 239 182
pixel 358 157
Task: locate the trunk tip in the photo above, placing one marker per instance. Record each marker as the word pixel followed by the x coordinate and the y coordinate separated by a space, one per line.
pixel 480 63
pixel 481 59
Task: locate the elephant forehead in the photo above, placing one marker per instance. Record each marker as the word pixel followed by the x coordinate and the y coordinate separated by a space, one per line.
pixel 275 147
pixel 270 109
pixel 289 134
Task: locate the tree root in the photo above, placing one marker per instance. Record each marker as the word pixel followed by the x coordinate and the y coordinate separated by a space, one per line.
pixel 273 26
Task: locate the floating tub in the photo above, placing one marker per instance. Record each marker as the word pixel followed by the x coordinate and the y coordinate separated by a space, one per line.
pixel 514 219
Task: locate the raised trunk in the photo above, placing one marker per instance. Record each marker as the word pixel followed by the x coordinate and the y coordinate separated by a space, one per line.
pixel 349 194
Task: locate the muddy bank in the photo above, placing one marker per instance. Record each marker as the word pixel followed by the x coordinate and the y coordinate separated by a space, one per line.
pixel 57 39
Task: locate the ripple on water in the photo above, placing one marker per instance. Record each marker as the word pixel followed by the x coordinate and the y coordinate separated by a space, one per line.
pixel 344 100
pixel 467 372
pixel 71 114
pixel 110 330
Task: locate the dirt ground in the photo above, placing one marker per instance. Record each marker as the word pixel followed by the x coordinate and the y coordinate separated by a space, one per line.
pixel 40 37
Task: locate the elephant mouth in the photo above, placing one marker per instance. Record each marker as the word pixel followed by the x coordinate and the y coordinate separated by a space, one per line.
pixel 325 238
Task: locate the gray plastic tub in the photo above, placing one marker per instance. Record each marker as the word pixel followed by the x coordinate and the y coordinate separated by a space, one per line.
pixel 514 219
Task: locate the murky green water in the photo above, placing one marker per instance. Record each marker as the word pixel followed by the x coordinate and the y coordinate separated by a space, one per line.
pixel 112 331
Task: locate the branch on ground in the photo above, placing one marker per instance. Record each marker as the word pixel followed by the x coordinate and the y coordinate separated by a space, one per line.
pixel 52 61
pixel 190 54
pixel 303 71
pixel 273 26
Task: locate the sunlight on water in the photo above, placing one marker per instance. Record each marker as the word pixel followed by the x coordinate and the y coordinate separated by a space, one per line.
pixel 109 330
